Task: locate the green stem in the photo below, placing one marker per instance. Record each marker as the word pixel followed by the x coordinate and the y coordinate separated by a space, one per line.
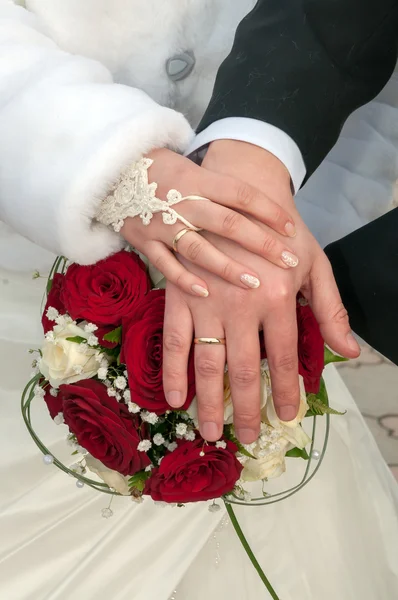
pixel 249 551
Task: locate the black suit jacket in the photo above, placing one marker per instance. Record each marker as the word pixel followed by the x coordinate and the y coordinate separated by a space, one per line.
pixel 305 66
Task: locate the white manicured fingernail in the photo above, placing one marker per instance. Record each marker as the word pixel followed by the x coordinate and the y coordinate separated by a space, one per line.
pixel 250 281
pixel 200 291
pixel 289 259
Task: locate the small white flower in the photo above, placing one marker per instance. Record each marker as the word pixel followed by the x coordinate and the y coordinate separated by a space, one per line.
pixel 92 340
pixel 190 435
pixel 118 397
pixel 221 444
pixel 39 392
pixel 62 320
pixel 127 395
pixel 78 468
pixel 144 446
pixel 173 446
pixel 120 382
pixel 125 374
pixel 54 392
pixel 59 419
pixel 112 392
pixel 150 418
pixel 50 337
pixel 181 429
pixel 102 373
pixel 52 313
pixel 133 408
pixel 158 439
pixel 78 369
pixel 149 468
pixel 90 328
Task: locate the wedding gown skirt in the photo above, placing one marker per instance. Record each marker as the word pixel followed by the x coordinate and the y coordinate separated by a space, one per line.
pixel 335 539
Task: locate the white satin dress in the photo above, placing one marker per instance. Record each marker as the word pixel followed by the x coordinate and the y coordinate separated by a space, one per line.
pixel 336 539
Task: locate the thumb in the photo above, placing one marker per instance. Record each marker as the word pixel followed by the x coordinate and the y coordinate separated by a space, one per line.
pixel 330 311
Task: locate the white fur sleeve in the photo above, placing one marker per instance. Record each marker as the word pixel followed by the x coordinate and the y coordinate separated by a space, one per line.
pixel 66 131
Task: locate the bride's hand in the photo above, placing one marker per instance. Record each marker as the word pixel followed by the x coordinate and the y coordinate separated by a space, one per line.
pixel 229 197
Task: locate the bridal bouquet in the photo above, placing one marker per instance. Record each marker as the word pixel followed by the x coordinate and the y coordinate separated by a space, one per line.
pixel 99 371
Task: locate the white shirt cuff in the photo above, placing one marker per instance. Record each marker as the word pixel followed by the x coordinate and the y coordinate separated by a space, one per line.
pixel 259 134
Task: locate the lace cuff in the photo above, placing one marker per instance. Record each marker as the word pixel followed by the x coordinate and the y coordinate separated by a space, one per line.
pixel 134 196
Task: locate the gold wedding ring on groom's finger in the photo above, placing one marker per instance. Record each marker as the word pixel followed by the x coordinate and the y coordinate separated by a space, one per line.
pixel 209 340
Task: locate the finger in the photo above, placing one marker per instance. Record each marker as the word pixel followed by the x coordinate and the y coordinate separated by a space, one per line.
pixel 329 310
pixel 164 260
pixel 236 227
pixel 209 370
pixel 177 341
pixel 244 376
pixel 280 334
pixel 243 197
pixel 201 252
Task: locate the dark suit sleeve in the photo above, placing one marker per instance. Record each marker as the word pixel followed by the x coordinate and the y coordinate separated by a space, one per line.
pixel 305 65
pixel 365 265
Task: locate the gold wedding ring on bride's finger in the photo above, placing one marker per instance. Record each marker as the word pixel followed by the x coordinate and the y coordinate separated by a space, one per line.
pixel 179 235
pixel 209 341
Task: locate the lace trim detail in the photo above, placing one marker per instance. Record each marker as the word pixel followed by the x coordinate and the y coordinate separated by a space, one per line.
pixel 134 196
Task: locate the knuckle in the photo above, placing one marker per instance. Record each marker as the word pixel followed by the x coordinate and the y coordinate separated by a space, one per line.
pixel 281 293
pixel 231 222
pixel 286 397
pixel 287 363
pixel 277 214
pixel 269 244
pixel 193 250
pixel 207 410
pixel 244 195
pixel 340 314
pixel 243 376
pixel 174 342
pixel 207 367
pixel 247 418
pixel 226 270
pixel 160 263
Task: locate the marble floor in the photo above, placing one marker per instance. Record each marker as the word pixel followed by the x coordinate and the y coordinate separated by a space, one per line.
pixel 373 381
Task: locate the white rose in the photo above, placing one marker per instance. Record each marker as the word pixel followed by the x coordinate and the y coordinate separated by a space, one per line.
pixel 268 467
pixel 63 361
pixel 112 478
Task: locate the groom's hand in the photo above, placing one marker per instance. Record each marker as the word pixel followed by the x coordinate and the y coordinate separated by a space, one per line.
pixel 237 315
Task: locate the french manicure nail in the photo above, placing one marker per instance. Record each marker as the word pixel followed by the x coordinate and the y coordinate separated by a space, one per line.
pixel 287 413
pixel 246 436
pixel 250 281
pixel 290 229
pixel 210 431
pixel 352 343
pixel 174 398
pixel 200 290
pixel 289 259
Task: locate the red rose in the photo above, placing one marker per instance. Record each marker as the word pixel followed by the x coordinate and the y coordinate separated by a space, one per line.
pixel 142 353
pixel 103 426
pixel 54 300
pixel 186 476
pixel 310 347
pixel 106 292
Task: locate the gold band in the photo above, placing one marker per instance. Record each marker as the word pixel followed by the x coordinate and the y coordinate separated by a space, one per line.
pixel 179 235
pixel 209 340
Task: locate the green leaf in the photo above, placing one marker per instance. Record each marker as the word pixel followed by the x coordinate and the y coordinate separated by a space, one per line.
pixel 318 407
pixel 231 437
pixel 114 336
pixel 298 453
pixel 49 286
pixel 77 339
pixel 138 480
pixel 330 357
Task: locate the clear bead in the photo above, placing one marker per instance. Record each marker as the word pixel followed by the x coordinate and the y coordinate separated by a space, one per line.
pixel 79 484
pixel 213 508
pixel 107 513
pixel 48 459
